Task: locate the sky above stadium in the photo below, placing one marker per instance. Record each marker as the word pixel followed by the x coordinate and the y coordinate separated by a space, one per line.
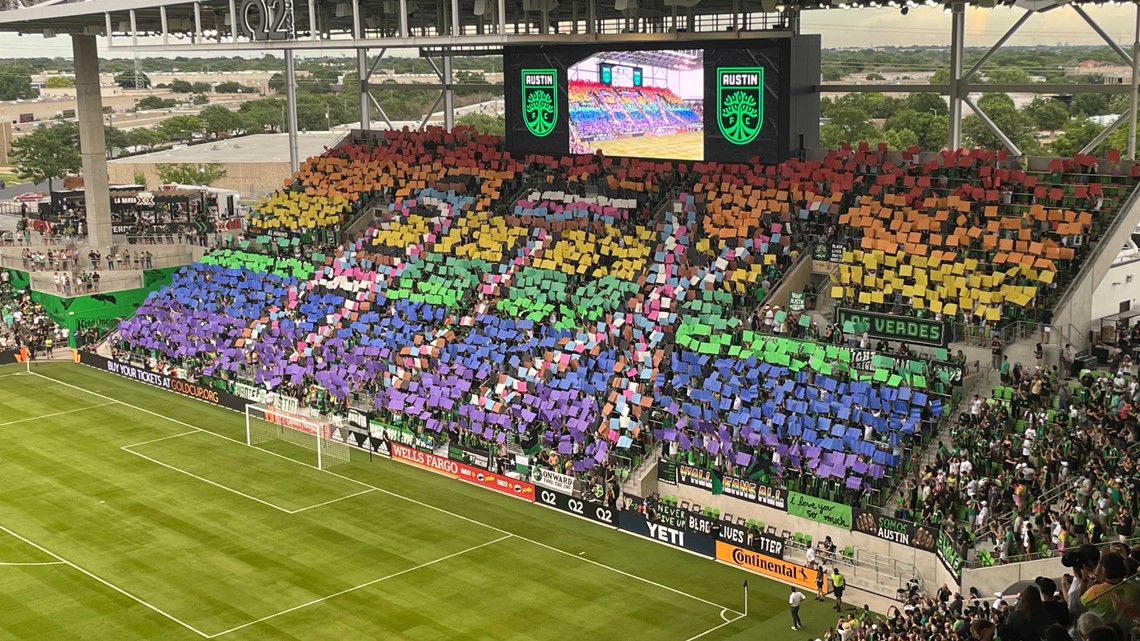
pixel 854 28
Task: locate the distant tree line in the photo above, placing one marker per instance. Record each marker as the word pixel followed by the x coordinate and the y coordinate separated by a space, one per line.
pixel 1047 125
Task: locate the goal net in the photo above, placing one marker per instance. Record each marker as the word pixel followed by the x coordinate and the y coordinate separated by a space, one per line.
pixel 264 423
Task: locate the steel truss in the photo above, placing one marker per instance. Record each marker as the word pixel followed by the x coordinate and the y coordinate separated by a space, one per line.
pixel 962 85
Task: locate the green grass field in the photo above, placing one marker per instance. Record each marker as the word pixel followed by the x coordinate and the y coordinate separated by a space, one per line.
pixel 128 512
pixel 685 146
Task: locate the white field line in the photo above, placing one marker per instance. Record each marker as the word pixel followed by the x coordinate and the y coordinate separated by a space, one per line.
pixel 208 481
pixel 361 586
pixel 715 628
pixel 28 565
pixel 417 502
pixel 161 438
pixel 127 448
pixel 106 583
pixel 80 409
pixel 331 501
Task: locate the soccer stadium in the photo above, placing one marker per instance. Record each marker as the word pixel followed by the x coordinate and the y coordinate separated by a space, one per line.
pixel 639 103
pixel 443 384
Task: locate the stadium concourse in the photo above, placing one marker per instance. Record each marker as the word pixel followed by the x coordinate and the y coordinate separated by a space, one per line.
pixel 596 313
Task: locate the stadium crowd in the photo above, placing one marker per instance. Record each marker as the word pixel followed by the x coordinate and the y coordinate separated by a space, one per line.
pixel 589 308
pixel 1097 602
pixel 25 323
pixel 1046 464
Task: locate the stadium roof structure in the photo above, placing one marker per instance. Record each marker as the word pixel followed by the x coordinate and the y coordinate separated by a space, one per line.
pixel 683 60
pixel 446 28
pixel 207 25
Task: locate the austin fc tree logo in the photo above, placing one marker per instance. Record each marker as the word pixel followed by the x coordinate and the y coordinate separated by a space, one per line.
pixel 740 103
pixel 540 100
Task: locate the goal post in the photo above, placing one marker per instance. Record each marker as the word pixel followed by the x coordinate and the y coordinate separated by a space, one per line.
pixel 265 423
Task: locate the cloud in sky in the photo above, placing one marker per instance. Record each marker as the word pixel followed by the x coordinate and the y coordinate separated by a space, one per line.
pixel 852 28
pixel 931 26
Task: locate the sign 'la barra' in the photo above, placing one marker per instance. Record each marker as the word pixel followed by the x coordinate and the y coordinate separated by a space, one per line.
pixel 896 328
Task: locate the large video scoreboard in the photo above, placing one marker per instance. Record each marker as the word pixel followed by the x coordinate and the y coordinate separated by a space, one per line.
pixel 726 101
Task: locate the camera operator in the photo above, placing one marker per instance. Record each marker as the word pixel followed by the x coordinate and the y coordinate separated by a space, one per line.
pixel 1083 562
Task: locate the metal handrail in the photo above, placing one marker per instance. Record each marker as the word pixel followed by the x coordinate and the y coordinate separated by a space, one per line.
pixel 39 240
pixel 1133 200
pixel 1052 553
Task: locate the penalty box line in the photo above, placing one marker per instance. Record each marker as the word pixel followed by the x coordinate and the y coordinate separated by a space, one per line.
pixel 105 582
pixel 420 503
pixel 361 586
pixel 37 418
pixel 127 448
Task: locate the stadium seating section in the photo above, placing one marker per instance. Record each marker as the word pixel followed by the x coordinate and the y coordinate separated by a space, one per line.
pixel 593 308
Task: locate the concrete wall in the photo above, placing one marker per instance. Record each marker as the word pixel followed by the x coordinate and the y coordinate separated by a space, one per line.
pixel 1072 319
pixel 165 255
pixel 926 564
pixel 63 93
pixel 796 280
pixel 1120 285
pixel 999 577
pixel 251 180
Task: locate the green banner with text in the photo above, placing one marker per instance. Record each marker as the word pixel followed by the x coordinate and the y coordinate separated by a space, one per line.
pixel 819 510
pixel 893 328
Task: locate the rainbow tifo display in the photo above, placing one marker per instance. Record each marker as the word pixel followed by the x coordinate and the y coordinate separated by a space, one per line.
pixel 596 307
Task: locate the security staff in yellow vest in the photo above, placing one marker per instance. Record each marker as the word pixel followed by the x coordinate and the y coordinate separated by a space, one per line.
pixel 837 583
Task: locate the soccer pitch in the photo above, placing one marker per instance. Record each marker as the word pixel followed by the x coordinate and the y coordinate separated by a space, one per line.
pixel 128 512
pixel 689 145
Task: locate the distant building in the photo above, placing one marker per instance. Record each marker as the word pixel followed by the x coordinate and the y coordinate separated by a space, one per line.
pixel 1118 78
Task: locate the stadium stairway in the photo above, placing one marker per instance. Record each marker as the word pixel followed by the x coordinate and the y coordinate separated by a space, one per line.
pixel 642 481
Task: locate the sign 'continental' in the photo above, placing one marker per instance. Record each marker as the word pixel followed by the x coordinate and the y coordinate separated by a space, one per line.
pixel 896 328
pixel 753 561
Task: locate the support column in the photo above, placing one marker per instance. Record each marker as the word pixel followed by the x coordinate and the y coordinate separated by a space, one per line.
pixel 362 71
pixel 957 52
pixel 92 144
pixel 1135 88
pixel 1005 141
pixel 362 74
pixel 448 95
pixel 291 109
